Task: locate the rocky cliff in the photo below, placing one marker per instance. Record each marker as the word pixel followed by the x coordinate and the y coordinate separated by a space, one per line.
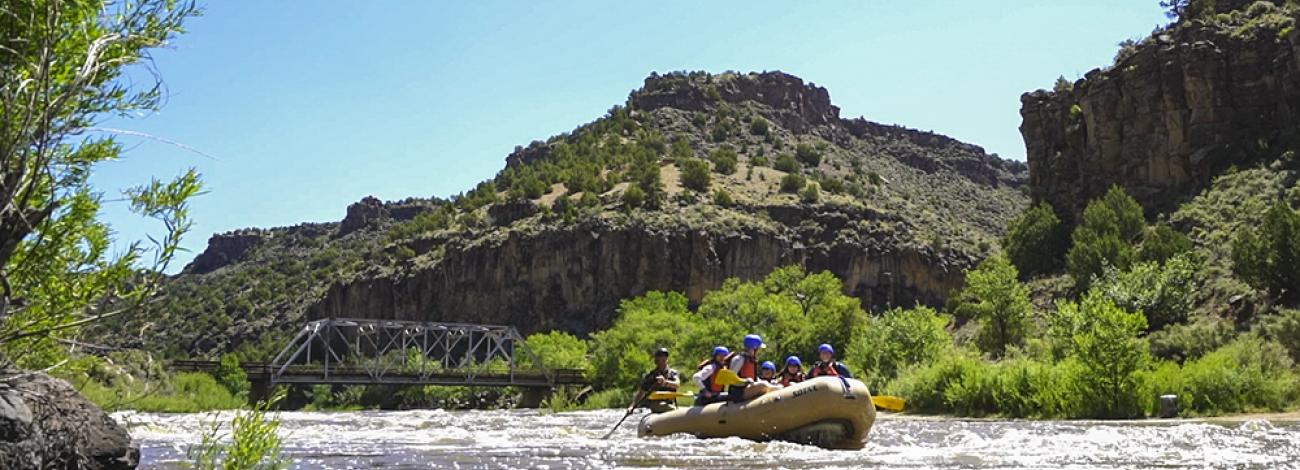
pixel 1176 109
pixel 555 240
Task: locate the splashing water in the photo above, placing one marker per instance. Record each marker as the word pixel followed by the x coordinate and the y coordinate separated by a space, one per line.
pixel 532 439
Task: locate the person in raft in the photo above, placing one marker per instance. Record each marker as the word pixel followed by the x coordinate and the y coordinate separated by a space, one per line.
pixel 767 372
pixel 793 372
pixel 828 365
pixel 661 379
pixel 706 378
pixel 745 365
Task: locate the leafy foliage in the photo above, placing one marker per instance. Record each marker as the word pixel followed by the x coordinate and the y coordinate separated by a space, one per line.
pixel 898 339
pixel 64 70
pixel 254 442
pixel 724 160
pixel 1035 240
pixel 1105 236
pixel 1269 258
pixel 695 174
pixel 786 162
pixel 994 295
pixel 1161 242
pixel 792 183
pixel 558 350
pixel 1105 339
pixel 1162 291
pixel 808 154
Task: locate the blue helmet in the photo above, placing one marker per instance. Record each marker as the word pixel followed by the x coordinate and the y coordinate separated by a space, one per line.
pixel 768 365
pixel 721 350
pixel 754 342
pixel 825 348
pixel 793 361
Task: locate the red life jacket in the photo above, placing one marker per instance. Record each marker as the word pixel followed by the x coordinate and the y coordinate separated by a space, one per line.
pixel 825 368
pixel 787 378
pixel 709 383
pixel 748 369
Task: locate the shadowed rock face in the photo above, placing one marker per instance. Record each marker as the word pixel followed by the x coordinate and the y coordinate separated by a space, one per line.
pixel 1181 107
pixel 45 423
pixel 574 279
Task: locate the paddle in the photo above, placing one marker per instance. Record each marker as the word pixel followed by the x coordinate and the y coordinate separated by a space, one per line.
pixel 727 377
pixel 668 395
pixel 886 402
pixel 620 423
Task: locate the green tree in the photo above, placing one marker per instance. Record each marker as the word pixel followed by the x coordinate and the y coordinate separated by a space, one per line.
pixel 792 183
pixel 786 162
pixel 808 154
pixel 810 194
pixel 633 197
pixel 1161 242
pixel 723 198
pixel 758 126
pixel 231 375
pixel 1107 342
pixel 695 174
pixel 557 350
pixel 681 149
pixel 1161 291
pixel 65 67
pixel 724 160
pixel 1105 236
pixel 1035 240
pixel 621 354
pixel 898 339
pixel 1268 257
pixel 994 295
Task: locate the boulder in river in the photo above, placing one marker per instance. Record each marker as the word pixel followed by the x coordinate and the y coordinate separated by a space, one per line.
pixel 45 423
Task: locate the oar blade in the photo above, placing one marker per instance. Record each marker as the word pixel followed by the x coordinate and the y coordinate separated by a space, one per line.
pixel 886 402
pixel 727 377
pixel 668 395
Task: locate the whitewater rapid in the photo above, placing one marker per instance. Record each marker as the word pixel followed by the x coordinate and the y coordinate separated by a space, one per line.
pixel 537 439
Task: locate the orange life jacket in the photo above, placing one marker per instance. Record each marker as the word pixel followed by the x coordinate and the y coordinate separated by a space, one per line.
pixel 748 369
pixel 825 368
pixel 787 378
pixel 709 383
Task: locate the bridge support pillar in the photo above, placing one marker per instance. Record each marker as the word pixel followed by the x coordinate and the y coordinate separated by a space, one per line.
pixel 534 396
pixel 258 390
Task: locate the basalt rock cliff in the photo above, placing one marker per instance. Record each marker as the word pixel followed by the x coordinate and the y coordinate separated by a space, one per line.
pixel 576 223
pixel 1207 93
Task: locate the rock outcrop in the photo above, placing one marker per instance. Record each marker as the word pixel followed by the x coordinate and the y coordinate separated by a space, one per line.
pixel 224 249
pixel 573 279
pixel 1174 110
pixel 361 214
pixel 46 424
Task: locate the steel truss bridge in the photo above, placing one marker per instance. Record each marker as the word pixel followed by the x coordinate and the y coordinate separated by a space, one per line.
pixel 351 351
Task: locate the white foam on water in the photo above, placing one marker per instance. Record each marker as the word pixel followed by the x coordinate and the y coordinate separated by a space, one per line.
pixel 533 439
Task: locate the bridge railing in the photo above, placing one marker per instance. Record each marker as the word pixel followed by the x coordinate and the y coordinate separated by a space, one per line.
pixel 349 349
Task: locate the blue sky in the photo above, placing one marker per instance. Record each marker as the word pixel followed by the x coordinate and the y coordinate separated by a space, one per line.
pixel 305 107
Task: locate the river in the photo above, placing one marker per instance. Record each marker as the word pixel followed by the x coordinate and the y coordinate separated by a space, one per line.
pixel 533 439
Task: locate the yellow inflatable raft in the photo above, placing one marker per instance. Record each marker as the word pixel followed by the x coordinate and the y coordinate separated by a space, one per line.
pixel 829 412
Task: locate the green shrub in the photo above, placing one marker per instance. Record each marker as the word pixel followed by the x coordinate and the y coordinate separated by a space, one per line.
pixel 695 174
pixel 557 350
pixel 681 150
pixel 786 162
pixel 810 194
pixel 1106 341
pixel 1248 374
pixel 633 197
pixel 1105 236
pixel 1161 242
pixel 724 160
pixel 1284 328
pixel 1268 257
pixel 254 442
pixel 1035 240
pixel 758 161
pixel 1162 292
pixel 959 382
pixel 898 339
pixel 621 354
pixel 808 155
pixel 723 198
pixel 792 183
pixel 758 126
pixel 230 375
pixel 924 386
pixel 1182 342
pixel 994 295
